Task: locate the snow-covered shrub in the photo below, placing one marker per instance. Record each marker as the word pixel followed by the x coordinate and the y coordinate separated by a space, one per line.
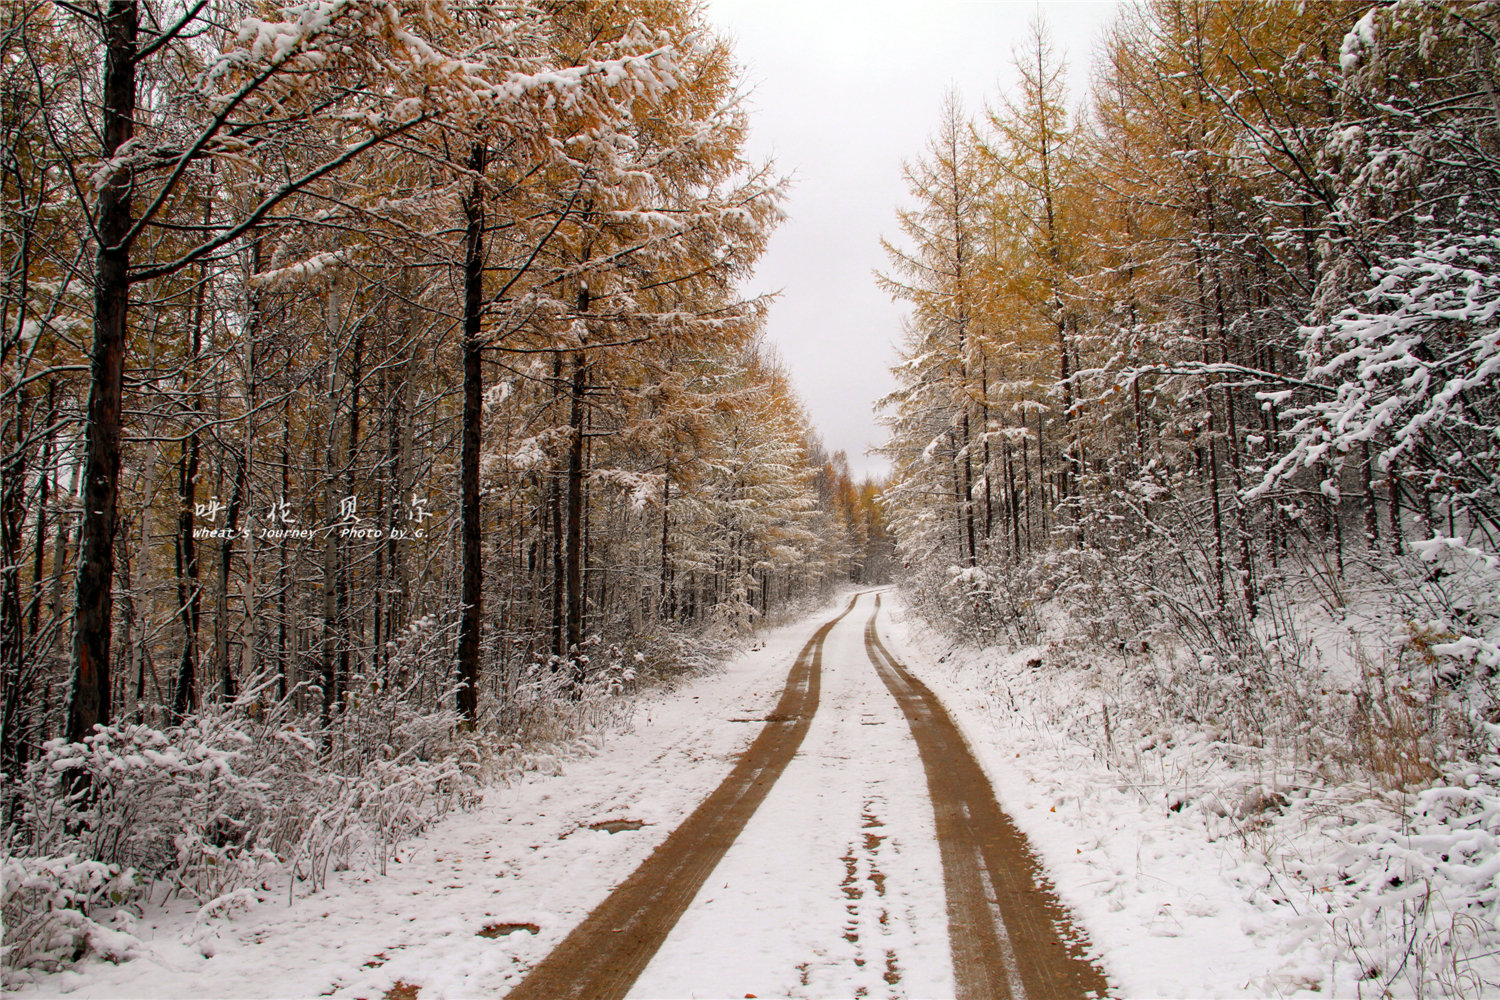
pixel 989 602
pixel 123 794
pixel 559 701
pixel 994 603
pixel 662 654
pixel 58 908
pixel 340 820
pixel 232 796
pixel 1412 896
pixel 1462 589
pixel 734 616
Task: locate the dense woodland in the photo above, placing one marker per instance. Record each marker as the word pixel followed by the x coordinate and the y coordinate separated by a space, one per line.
pixel 1228 326
pixel 370 366
pixel 1199 408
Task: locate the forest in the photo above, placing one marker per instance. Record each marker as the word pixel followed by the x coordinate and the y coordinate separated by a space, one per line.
pixel 381 413
pixel 1199 395
pixel 378 401
pixel 1230 328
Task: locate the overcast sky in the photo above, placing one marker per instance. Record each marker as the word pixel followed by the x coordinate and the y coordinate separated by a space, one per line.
pixel 842 93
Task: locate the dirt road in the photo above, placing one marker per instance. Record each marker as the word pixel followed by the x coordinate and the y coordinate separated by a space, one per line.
pixel 845 876
pixel 605 954
pixel 1010 936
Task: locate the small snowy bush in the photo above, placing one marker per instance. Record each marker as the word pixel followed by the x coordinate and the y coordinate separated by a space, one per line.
pixel 1409 902
pixel 230 798
pixel 57 909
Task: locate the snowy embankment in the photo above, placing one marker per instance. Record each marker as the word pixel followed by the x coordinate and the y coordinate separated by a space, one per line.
pixel 470 904
pixel 1205 868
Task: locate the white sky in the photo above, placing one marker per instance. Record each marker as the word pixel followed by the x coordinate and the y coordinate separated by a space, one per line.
pixel 842 93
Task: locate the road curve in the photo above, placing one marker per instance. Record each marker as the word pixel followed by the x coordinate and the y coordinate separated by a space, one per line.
pixel 604 954
pixel 1009 935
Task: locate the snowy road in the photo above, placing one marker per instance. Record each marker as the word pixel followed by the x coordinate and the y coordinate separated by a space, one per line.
pixel 877 865
pixel 835 887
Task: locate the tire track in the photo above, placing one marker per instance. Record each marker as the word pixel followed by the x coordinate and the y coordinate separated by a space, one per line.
pixel 605 954
pixel 1009 934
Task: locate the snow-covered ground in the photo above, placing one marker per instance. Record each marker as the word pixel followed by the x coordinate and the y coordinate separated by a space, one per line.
pixel 835 887
pixel 525 856
pixel 1189 881
pixel 1206 869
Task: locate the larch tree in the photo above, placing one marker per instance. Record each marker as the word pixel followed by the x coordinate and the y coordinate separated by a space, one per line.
pixel 938 274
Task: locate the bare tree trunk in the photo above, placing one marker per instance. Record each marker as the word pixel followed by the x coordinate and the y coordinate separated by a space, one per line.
pixel 394 602
pixel 227 688
pixel 1234 455
pixel 44 488
pixel 473 579
pixel 555 499
pixel 405 482
pixel 575 493
pixel 88 697
pixel 1335 508
pixel 1070 449
pixel 386 520
pixel 958 503
pixel 127 615
pixel 328 669
pixel 16 680
pixel 189 590
pixel 144 661
pixel 283 667
pixel 330 628
pixel 1393 489
pixel 1015 507
pixel 984 390
pixel 60 547
pixel 248 666
pixel 1213 449
pixel 666 501
pixel 185 698
pixel 968 487
pixel 351 626
pixel 1041 476
pixel 1217 508
pixel 1026 474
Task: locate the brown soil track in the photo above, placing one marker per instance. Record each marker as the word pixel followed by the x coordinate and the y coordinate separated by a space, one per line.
pixel 603 956
pixel 1009 934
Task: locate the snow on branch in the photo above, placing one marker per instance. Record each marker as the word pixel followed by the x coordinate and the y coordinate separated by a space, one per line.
pixel 294 274
pixel 1412 368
